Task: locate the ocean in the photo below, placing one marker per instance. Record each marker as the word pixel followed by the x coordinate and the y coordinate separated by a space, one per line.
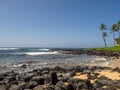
pixel 26 59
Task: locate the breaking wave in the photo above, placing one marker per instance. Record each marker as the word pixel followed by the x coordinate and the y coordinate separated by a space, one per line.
pixel 44 49
pixel 8 48
pixel 40 53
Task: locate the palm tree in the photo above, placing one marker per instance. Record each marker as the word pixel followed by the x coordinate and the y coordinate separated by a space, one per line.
pixel 104 34
pixel 118 27
pixel 118 24
pixel 113 30
pixel 102 27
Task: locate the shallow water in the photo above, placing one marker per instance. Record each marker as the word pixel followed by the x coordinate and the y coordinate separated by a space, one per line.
pixel 27 59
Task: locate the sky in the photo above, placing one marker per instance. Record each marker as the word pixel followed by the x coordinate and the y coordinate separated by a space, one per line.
pixel 56 23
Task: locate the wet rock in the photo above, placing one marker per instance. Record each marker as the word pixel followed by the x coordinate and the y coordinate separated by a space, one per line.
pixel 23 66
pixel 27 78
pixel 11 78
pixel 11 73
pixel 115 85
pixel 53 78
pixel 96 74
pixel 22 84
pixel 86 71
pixel 1 77
pixel 92 76
pixel 59 69
pixel 117 69
pixel 89 85
pixel 32 84
pixel 69 68
pixel 2 82
pixel 79 69
pixel 14 82
pixel 39 79
pixel 103 81
pixel 116 54
pixel 77 84
pixel 37 72
pixel 8 85
pixel 14 87
pixel 65 78
pixel 60 86
pixel 59 75
pixel 39 87
pixel 45 72
pixel 49 88
pixel 70 87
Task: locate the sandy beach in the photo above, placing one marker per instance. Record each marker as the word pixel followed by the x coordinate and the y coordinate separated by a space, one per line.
pixel 115 63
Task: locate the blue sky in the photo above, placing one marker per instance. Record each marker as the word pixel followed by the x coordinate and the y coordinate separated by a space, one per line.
pixel 56 23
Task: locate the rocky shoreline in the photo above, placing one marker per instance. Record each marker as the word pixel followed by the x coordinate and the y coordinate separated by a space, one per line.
pixel 59 79
pixel 65 78
pixel 93 52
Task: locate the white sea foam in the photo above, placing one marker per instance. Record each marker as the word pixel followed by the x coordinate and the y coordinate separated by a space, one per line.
pixel 100 59
pixel 8 48
pixel 19 65
pixel 44 49
pixel 40 53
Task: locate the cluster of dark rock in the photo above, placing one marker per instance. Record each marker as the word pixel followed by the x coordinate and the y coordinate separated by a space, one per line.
pixel 93 52
pixel 57 79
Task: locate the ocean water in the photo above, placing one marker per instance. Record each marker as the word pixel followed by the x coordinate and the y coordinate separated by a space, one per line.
pixel 27 59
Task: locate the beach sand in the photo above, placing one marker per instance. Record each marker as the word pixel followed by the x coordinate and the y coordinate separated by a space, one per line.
pixel 109 73
pixel 80 76
pixel 115 64
pixel 113 75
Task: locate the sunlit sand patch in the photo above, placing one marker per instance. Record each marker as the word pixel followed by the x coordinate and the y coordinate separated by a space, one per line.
pixel 104 87
pixel 65 83
pixel 78 73
pixel 80 76
pixel 110 74
pixel 116 64
pixel 93 81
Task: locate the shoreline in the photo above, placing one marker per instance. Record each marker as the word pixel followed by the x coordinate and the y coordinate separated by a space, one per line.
pixel 115 63
pixel 59 78
pixel 104 76
pixel 113 57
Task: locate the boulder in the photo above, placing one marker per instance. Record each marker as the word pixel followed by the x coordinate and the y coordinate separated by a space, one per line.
pixel 32 84
pixel 22 84
pixel 1 77
pixel 11 78
pixel 53 78
pixel 89 85
pixel 27 78
pixel 39 87
pixel 60 86
pixel 39 79
pixel 103 81
pixel 14 87
pixel 115 85
pixel 59 69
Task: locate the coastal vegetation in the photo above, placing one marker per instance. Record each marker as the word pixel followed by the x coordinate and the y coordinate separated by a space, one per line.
pixel 114 49
pixel 115 28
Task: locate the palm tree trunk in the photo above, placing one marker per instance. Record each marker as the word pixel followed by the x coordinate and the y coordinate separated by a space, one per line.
pixel 119 33
pixel 114 38
pixel 105 41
